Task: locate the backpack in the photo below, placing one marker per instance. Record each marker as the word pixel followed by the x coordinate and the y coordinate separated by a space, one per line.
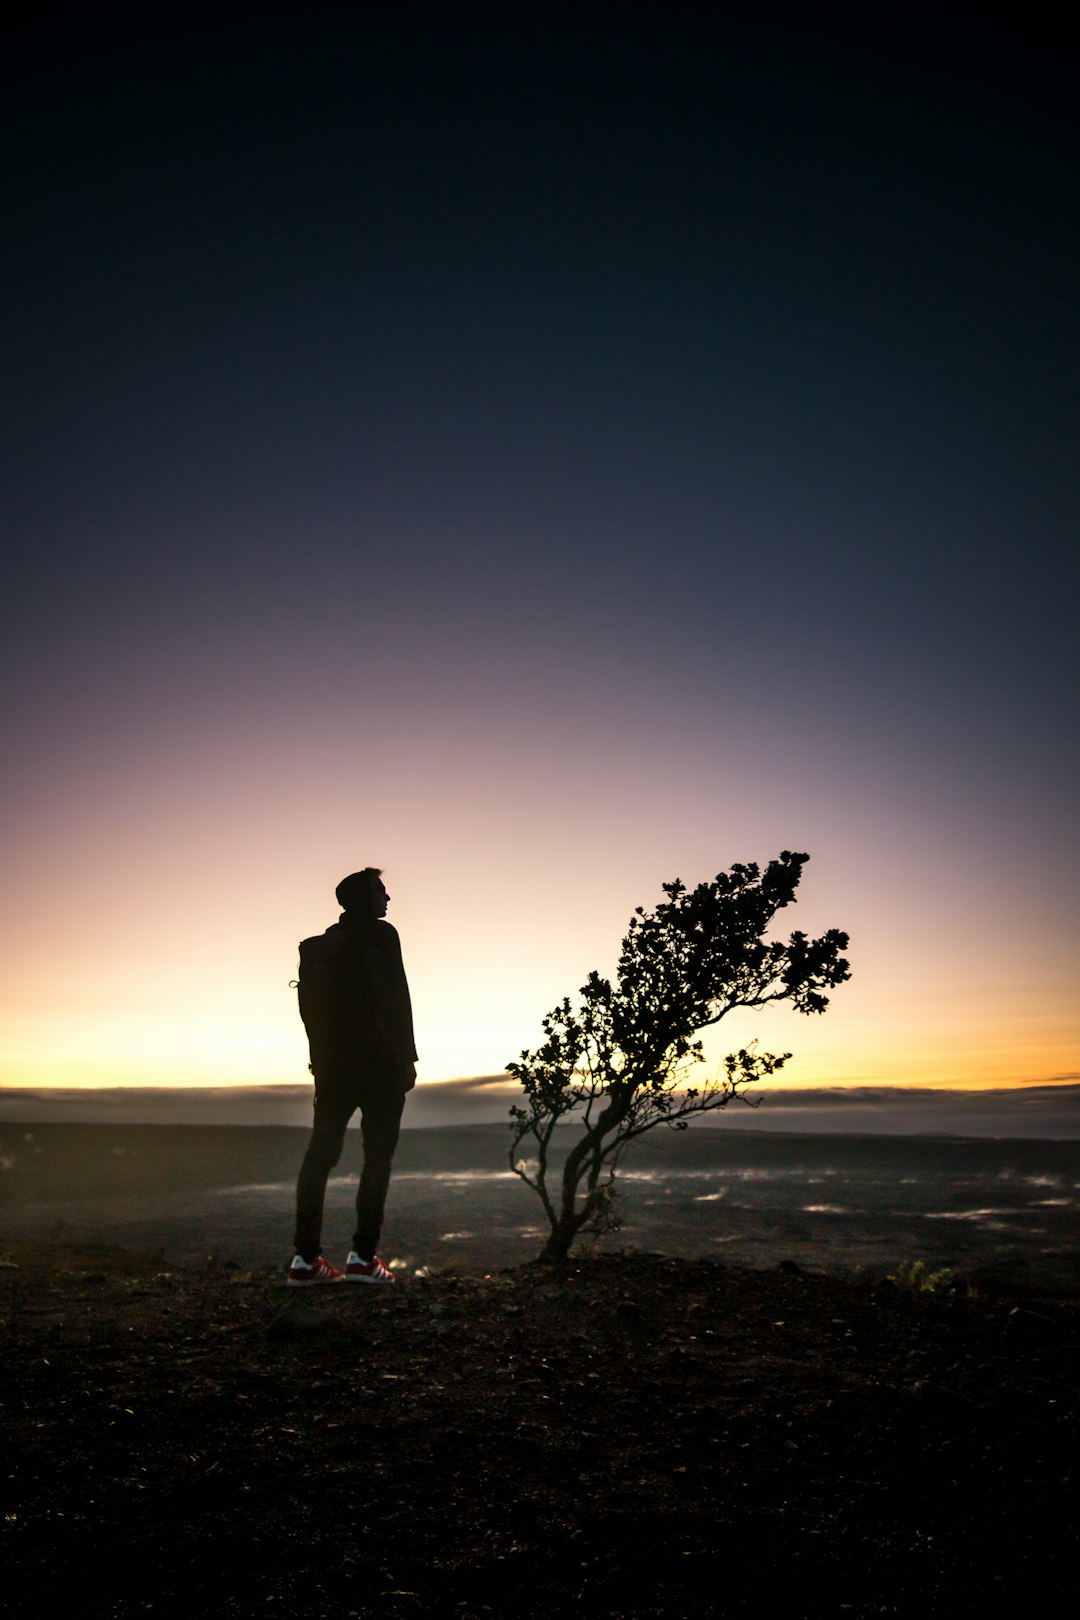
pixel 339 991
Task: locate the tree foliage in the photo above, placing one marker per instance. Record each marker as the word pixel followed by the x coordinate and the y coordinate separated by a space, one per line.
pixel 621 1062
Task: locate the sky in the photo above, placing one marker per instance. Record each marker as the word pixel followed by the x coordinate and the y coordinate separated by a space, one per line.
pixel 541 457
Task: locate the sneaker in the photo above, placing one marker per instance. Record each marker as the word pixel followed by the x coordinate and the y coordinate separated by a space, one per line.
pixel 367 1271
pixel 302 1275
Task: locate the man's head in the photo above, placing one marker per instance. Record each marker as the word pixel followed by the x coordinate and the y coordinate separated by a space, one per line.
pixel 363 893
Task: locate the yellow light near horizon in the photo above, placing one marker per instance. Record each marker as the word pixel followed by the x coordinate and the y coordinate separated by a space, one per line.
pixel 112 1050
pixel 107 1050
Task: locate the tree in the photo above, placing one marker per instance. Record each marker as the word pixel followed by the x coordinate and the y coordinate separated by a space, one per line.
pixel 619 1065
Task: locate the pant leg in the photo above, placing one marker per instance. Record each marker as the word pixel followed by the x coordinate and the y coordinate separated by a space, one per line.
pixel 333 1109
pixel 381 1106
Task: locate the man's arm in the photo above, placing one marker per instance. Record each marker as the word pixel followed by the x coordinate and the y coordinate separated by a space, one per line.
pixel 399 1003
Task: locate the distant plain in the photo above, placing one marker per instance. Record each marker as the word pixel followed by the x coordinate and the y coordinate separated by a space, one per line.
pixel 1003 1213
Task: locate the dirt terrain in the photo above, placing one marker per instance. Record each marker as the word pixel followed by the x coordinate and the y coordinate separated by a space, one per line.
pixel 632 1435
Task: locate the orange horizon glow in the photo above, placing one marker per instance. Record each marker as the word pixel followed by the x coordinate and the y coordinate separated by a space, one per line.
pixel 154 945
pixel 214 1053
pixel 498 1084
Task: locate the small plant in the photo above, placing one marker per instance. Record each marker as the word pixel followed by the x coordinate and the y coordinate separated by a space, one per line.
pixel 914 1277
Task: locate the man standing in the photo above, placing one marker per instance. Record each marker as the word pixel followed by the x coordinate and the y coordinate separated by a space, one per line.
pixel 354 1000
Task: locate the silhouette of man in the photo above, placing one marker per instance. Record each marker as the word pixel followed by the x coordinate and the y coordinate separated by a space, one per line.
pixel 354 1000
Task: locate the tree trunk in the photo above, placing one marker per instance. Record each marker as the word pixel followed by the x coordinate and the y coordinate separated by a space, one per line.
pixel 570 1219
pixel 560 1240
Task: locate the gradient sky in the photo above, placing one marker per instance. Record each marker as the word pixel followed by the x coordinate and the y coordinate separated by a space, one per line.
pixel 540 458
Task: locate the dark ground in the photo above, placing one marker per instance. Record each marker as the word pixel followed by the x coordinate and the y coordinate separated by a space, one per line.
pixel 633 1435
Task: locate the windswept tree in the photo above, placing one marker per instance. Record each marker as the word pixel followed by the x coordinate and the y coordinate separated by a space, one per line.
pixel 621 1063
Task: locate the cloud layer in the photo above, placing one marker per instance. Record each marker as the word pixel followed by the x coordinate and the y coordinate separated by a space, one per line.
pixel 1049 1109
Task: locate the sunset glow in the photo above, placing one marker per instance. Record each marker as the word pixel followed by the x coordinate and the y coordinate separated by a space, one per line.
pixel 194 989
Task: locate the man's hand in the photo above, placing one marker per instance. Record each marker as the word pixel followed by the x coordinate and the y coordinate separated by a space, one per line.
pixel 409 1076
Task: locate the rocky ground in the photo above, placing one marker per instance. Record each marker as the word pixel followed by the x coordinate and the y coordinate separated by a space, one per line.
pixel 632 1435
